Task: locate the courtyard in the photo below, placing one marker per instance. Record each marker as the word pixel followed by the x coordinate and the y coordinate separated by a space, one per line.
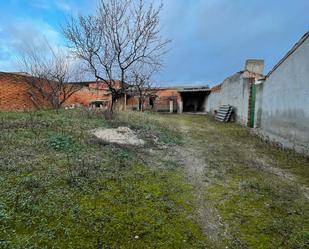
pixel 192 183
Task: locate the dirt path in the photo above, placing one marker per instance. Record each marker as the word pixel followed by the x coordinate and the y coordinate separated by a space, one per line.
pixel 206 152
pixel 230 170
pixel 190 157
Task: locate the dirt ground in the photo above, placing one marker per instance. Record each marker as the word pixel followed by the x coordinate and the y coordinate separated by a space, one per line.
pixel 121 135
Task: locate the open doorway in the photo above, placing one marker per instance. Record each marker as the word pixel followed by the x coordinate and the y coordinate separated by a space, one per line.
pixel 194 101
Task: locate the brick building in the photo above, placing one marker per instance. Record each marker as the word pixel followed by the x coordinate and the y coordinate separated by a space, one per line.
pixel 174 99
pixel 14 96
pixel 160 100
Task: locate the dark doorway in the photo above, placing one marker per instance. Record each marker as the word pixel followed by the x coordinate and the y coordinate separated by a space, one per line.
pixel 152 100
pixel 194 101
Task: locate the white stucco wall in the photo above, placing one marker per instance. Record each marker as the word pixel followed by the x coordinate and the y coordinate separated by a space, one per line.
pixel 283 101
pixel 213 102
pixel 235 92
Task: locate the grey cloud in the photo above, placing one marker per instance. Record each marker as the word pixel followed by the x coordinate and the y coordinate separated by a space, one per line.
pixel 213 38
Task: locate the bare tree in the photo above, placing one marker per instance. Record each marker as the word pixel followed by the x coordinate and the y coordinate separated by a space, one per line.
pixel 142 84
pixel 119 35
pixel 49 75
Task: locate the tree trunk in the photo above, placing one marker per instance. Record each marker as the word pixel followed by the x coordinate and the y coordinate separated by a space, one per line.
pixel 111 107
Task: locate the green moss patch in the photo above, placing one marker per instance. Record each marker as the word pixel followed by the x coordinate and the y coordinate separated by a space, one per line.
pixel 61 188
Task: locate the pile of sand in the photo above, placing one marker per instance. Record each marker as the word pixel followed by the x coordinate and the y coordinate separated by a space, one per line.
pixel 121 135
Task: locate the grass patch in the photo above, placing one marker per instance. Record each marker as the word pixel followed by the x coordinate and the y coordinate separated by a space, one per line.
pixel 259 205
pixel 59 188
pixel 62 188
pixel 62 142
pixel 261 211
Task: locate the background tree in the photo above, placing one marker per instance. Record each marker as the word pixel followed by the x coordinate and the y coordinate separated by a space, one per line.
pixel 143 84
pixel 119 35
pixel 49 75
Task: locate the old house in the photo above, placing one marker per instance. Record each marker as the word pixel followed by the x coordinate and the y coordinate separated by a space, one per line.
pixel 15 94
pixel 95 94
pixel 174 99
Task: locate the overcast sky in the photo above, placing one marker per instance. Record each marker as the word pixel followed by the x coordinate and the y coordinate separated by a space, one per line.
pixel 211 38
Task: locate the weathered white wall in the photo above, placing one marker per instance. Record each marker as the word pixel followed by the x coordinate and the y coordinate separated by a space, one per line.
pixel 212 102
pixel 235 91
pixel 283 101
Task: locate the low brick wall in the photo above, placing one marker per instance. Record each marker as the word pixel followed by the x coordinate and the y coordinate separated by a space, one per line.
pixel 14 94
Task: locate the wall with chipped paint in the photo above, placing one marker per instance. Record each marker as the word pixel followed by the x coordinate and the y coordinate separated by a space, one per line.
pixel 235 91
pixel 282 105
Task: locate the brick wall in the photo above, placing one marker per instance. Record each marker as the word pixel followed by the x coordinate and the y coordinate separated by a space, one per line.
pixel 164 97
pixel 14 93
pixel 86 95
pixel 161 103
pixel 251 81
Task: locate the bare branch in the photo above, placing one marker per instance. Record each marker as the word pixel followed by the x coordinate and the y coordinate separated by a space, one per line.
pixel 119 36
pixel 50 73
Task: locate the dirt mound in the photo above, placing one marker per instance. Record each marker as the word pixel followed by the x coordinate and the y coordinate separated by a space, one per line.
pixel 121 135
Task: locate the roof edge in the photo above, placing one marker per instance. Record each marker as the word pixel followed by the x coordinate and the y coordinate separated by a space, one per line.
pixel 290 52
